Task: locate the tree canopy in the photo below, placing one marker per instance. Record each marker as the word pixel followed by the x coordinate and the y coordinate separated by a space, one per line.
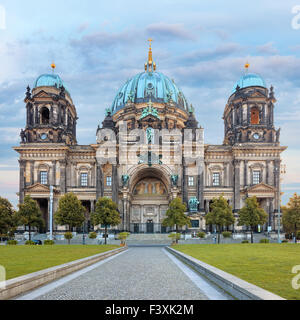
pixel 70 211
pixel 29 214
pixel 106 213
pixel 251 215
pixel 220 215
pixel 291 215
pixel 8 217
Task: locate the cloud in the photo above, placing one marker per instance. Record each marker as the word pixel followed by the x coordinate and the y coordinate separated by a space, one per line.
pixel 267 48
pixel 169 31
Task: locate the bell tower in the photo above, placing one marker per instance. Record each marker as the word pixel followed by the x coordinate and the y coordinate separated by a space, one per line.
pixel 249 112
pixel 50 113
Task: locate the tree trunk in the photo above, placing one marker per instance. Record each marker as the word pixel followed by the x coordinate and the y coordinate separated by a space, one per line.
pixel 176 234
pixel 251 234
pixel 219 231
pixel 29 232
pixel 69 241
pixel 105 234
pixel 296 233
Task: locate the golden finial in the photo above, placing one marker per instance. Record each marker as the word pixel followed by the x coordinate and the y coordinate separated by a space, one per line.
pixel 53 66
pixel 150 65
pixel 247 65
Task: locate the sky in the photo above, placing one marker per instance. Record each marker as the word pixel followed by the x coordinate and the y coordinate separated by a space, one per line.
pixel 98 45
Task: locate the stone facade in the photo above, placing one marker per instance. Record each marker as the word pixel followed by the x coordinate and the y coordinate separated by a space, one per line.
pixel 149 151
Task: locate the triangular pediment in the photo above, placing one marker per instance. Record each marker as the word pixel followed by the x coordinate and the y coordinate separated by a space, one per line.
pixel 257 94
pixel 150 118
pixel 261 187
pixel 42 94
pixel 38 187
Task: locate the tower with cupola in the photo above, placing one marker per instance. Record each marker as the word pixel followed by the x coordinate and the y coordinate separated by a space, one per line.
pixel 50 113
pixel 249 112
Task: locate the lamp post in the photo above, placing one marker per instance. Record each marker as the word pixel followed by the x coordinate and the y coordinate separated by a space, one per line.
pixel 281 170
pixel 51 214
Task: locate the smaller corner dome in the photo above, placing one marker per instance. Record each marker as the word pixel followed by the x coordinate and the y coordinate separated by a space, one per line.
pixel 49 80
pixel 250 80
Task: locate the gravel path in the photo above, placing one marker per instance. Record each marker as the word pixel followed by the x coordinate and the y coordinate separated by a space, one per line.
pixel 139 273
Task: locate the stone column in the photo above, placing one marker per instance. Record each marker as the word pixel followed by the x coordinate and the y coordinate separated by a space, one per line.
pixel 53 180
pixel 245 172
pixel 206 206
pixel 62 176
pixel 115 183
pixel 276 182
pixel 99 181
pixel 236 164
pixel 125 213
pixel 31 172
pixel 184 184
pixel 267 172
pixel 200 187
pixel 22 164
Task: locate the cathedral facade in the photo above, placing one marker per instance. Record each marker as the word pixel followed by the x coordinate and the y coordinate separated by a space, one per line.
pixel 150 150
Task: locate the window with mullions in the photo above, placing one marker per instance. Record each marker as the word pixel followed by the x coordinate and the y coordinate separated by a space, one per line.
pixel 194 223
pixel 191 181
pixel 256 177
pixel 108 181
pixel 84 179
pixel 44 177
pixel 216 179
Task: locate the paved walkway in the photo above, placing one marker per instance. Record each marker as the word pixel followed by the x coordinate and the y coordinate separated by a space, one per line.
pixel 136 274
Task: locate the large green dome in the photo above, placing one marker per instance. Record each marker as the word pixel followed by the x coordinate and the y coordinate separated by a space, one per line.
pixel 149 85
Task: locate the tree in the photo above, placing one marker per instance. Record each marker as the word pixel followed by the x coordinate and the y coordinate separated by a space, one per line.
pixel 106 213
pixel 252 215
pixel 291 215
pixel 68 236
pixel 70 211
pixel 29 214
pixel 8 218
pixel 175 215
pixel 221 214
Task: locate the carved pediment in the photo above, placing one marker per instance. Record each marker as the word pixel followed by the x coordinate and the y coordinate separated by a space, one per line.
pixel 261 189
pixel 42 94
pixel 38 187
pixel 257 94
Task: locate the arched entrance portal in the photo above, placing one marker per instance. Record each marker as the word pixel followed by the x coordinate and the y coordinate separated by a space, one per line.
pixel 149 202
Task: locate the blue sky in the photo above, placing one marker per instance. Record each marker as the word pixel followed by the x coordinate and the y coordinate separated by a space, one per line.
pixel 98 45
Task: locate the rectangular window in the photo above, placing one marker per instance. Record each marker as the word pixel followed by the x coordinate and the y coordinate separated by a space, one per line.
pixel 216 179
pixel 108 181
pixel 84 179
pixel 191 181
pixel 256 177
pixel 44 177
pixel 195 223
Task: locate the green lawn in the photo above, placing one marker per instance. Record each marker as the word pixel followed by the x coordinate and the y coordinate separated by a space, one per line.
pixel 265 265
pixel 19 260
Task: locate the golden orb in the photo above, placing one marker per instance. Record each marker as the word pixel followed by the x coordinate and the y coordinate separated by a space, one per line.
pixel 53 66
pixel 247 65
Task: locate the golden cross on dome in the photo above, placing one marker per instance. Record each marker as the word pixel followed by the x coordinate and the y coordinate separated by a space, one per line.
pixel 150 40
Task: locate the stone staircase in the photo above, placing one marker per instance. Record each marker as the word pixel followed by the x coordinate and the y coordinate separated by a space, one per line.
pixel 148 239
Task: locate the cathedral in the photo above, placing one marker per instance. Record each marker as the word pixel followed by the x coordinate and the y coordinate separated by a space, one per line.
pixel 149 150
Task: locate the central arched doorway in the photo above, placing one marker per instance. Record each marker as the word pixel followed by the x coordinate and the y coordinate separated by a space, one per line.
pixel 149 202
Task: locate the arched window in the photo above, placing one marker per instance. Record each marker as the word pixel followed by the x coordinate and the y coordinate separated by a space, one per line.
pixel 45 115
pixel 254 115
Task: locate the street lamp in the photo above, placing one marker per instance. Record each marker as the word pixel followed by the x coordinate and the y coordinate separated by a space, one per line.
pixel 281 169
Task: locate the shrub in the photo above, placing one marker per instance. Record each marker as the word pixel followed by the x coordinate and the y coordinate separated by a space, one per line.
pixel 122 236
pixel 49 242
pixel 245 241
pixel 265 240
pixel 174 236
pixel 226 234
pixel 92 235
pixel 12 242
pixel 68 236
pixel 298 235
pixel 201 234
pixel 284 241
pixel 29 243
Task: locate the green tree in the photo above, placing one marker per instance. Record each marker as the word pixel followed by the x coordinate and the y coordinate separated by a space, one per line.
pixel 70 211
pixel 252 215
pixel 29 214
pixel 220 215
pixel 291 215
pixel 8 218
pixel 68 236
pixel 106 213
pixel 175 215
